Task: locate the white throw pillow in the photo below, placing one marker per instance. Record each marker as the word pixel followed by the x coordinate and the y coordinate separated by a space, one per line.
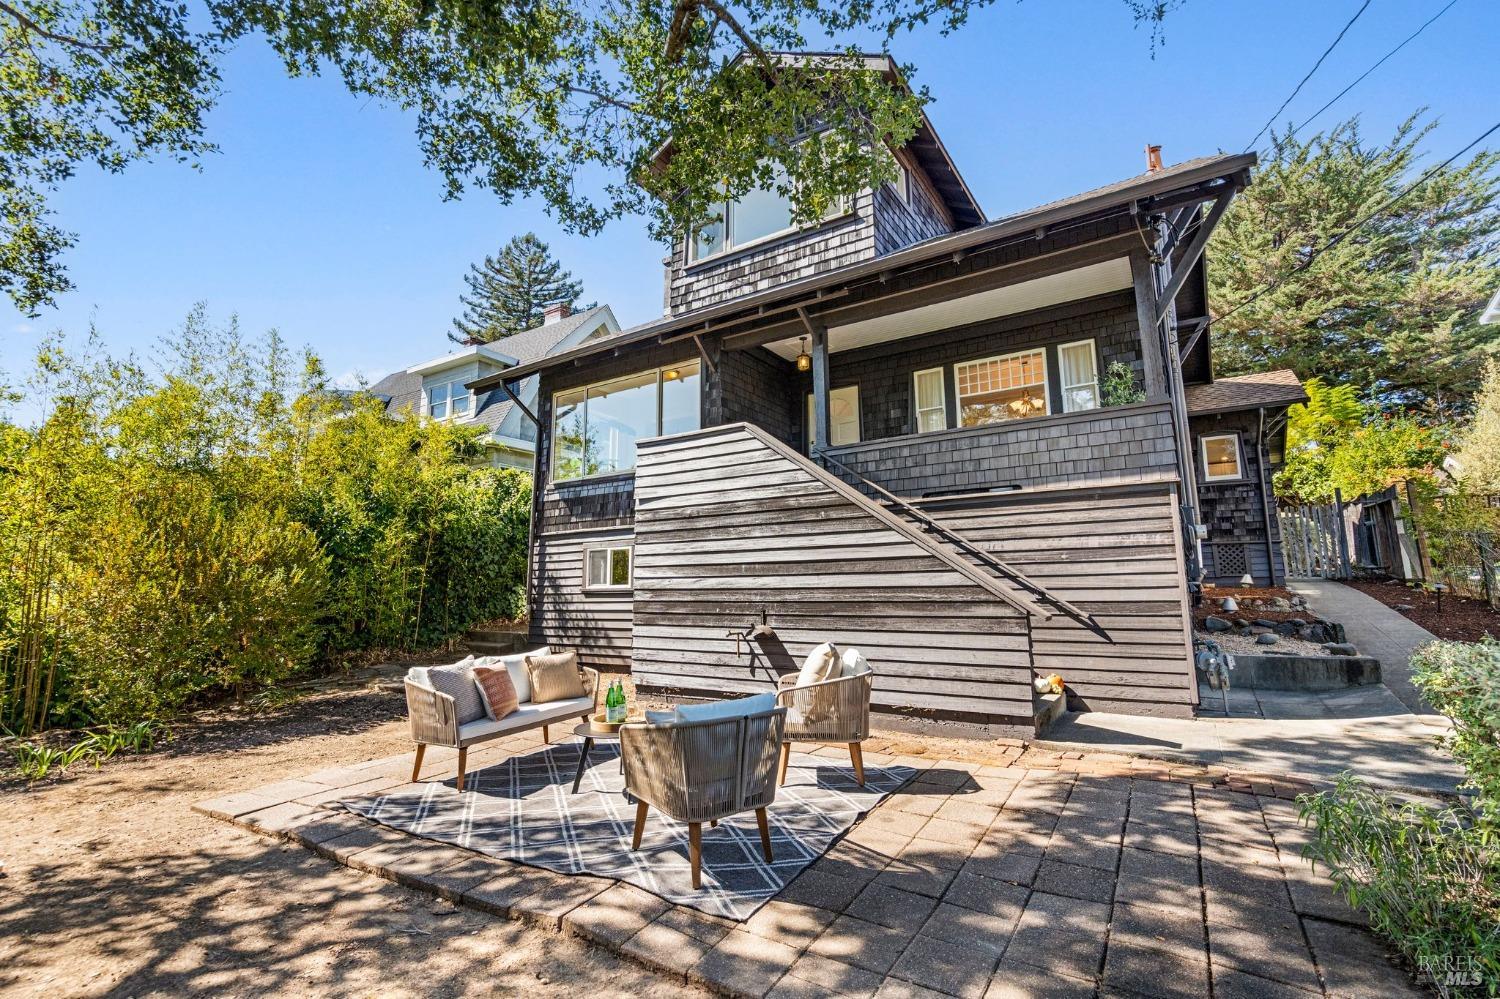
pixel 822 663
pixel 516 666
pixel 854 663
pixel 418 676
pixel 738 707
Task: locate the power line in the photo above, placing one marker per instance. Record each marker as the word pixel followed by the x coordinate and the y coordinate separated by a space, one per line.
pixel 1372 69
pixel 1298 88
pixel 1361 223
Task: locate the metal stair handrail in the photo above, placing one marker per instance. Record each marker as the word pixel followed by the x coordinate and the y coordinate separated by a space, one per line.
pixel 958 541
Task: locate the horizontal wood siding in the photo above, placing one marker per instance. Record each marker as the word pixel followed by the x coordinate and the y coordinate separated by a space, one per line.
pixel 729 530
pixel 596 624
pixel 1114 553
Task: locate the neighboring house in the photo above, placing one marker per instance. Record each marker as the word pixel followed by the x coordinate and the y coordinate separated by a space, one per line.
pixel 887 430
pixel 439 388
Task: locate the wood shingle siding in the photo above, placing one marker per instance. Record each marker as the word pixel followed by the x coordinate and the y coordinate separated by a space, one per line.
pixel 1114 553
pixel 899 225
pixel 729 529
pixel 565 616
pixel 1235 512
pixel 1124 444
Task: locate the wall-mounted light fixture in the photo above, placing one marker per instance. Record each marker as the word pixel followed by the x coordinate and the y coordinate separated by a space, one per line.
pixel 804 359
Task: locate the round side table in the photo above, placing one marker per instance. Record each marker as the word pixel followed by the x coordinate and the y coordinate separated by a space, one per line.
pixel 589 735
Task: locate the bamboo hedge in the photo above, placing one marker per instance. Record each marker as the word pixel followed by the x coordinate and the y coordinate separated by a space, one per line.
pixel 224 522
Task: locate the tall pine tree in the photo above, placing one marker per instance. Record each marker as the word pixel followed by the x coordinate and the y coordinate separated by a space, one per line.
pixel 1394 308
pixel 508 293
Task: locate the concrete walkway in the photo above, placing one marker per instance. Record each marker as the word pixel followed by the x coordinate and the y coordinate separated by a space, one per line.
pixel 1383 733
pixel 1375 630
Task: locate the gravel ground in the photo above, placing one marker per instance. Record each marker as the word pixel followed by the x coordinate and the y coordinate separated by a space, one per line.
pixel 1231 642
pixel 111 885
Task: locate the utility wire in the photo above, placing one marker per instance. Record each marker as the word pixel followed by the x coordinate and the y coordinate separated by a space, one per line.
pixel 1360 224
pixel 1298 89
pixel 1367 72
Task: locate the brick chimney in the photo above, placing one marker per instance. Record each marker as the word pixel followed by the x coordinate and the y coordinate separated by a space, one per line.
pixel 556 312
pixel 1153 159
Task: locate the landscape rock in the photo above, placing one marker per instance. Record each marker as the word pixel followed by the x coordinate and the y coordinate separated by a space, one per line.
pixel 1267 639
pixel 1262 622
pixel 1281 603
pixel 1340 649
pixel 1404 608
pixel 1286 629
pixel 1212 623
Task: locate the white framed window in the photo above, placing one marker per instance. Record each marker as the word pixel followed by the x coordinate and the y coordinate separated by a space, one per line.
pixel 996 389
pixel 843 417
pixel 902 185
pixel 607 568
pixel 760 214
pixel 1221 457
pixel 929 395
pixel 595 427
pixel 449 401
pixel 1078 371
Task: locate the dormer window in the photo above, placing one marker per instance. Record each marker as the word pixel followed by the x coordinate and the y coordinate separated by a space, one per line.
pixel 761 214
pixel 449 401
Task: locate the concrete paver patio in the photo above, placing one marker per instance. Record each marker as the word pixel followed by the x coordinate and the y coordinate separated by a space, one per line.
pixel 1011 872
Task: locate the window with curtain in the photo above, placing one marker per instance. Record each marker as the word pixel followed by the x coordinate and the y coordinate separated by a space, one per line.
pixel 595 429
pixel 1078 371
pixel 997 389
pixel 931 400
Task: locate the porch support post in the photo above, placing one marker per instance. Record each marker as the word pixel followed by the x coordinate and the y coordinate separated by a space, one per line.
pixel 821 427
pixel 1153 361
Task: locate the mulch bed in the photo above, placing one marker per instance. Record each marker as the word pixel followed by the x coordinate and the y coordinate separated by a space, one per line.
pixel 1243 595
pixel 1461 619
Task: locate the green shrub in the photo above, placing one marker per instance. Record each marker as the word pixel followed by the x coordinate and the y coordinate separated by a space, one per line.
pixel 1429 878
pixel 1118 387
pixel 225 525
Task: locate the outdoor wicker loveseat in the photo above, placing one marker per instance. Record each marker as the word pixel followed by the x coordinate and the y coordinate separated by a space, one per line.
pixel 444 719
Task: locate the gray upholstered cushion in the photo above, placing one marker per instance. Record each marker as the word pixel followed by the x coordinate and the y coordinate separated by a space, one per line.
pixel 739 707
pixel 855 664
pixel 822 663
pixel 457 681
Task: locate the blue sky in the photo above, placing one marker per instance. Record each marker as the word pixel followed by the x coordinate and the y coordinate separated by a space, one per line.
pixel 318 218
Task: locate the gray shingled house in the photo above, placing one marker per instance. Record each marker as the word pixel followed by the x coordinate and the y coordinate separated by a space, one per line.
pixel 890 430
pixel 438 388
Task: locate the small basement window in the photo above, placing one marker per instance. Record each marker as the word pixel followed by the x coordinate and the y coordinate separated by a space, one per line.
pixel 1221 457
pixel 607 568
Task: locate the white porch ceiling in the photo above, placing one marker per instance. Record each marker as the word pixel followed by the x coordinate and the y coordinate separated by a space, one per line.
pixel 1038 293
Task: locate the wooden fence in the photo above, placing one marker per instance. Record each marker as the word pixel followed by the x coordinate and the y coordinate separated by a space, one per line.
pixel 1314 540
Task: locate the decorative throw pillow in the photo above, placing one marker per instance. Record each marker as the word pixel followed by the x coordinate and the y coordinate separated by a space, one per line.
pixel 457 681
pixel 822 663
pixel 737 707
pixel 854 664
pixel 554 677
pixel 518 674
pixel 496 691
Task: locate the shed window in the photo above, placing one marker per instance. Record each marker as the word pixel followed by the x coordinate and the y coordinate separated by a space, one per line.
pixel 595 429
pixel 1221 457
pixel 843 417
pixel 1002 388
pixel 932 404
pixel 608 568
pixel 1078 370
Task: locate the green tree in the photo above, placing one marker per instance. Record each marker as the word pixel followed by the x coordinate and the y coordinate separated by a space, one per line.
pixel 1393 308
pixel 1335 441
pixel 522 100
pixel 508 293
pixel 1479 445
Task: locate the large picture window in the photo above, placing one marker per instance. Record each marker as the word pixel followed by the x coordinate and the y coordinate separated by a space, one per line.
pixel 595 429
pixel 997 389
pixel 1078 371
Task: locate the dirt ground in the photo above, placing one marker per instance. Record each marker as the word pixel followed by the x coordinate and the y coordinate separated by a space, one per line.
pixel 1460 619
pixel 112 885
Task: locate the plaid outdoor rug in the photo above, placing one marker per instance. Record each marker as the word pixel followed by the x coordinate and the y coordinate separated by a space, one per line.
pixel 523 809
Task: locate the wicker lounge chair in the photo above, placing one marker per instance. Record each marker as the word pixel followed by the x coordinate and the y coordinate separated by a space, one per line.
pixel 434 721
pixel 699 771
pixel 834 712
